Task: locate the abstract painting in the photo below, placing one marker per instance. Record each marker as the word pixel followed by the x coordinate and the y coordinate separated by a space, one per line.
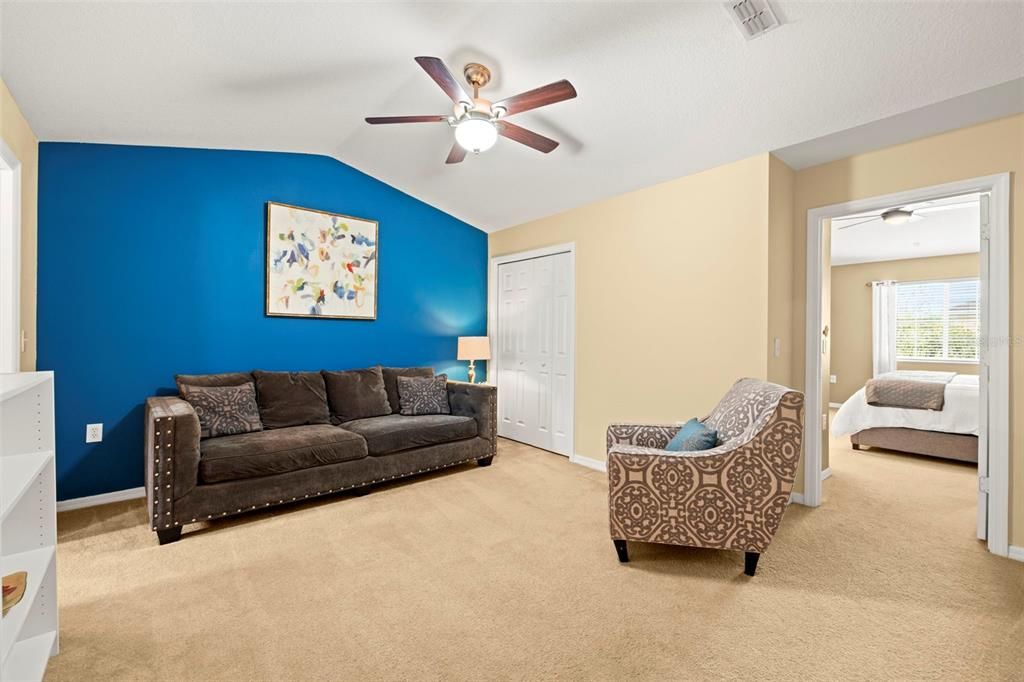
pixel 320 264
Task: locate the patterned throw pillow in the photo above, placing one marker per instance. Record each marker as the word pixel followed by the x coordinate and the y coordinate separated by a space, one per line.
pixel 423 395
pixel 224 410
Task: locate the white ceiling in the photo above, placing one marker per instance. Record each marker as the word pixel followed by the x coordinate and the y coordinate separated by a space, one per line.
pixel 938 228
pixel 665 89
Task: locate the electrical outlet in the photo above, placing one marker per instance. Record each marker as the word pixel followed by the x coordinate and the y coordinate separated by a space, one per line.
pixel 93 433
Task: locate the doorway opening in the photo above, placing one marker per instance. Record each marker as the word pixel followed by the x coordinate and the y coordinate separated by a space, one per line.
pixel 532 325
pixel 10 260
pixel 926 371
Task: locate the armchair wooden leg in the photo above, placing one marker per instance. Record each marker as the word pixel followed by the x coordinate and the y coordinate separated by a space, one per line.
pixel 856 446
pixel 169 535
pixel 622 551
pixel 485 461
pixel 750 563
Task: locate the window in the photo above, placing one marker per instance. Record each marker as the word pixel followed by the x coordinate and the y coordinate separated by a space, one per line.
pixel 937 321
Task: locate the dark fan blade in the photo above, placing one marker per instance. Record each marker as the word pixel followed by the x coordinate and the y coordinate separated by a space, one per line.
pixel 527 137
pixel 457 154
pixel 869 220
pixel 436 69
pixel 405 119
pixel 542 96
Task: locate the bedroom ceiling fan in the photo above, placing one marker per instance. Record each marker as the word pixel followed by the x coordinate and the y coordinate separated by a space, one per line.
pixel 904 214
pixel 478 122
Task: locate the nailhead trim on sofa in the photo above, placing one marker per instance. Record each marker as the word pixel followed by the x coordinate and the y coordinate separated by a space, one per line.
pixel 323 492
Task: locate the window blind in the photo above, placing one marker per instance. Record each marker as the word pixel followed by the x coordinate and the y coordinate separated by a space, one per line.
pixel 937 321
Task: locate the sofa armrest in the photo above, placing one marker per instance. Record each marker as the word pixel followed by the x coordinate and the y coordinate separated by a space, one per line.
pixel 480 402
pixel 654 436
pixel 172 456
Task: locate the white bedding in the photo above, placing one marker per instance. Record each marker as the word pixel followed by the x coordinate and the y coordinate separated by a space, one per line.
pixel 958 415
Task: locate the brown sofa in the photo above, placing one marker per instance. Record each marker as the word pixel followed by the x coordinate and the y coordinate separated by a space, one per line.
pixel 732 496
pixel 191 479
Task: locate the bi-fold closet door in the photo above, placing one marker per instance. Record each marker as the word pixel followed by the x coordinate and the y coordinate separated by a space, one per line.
pixel 534 340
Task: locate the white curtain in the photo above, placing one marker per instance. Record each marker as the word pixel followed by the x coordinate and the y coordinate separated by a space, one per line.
pixel 883 327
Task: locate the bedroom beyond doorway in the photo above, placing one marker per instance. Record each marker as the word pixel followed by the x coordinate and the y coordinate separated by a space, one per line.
pixel 906 298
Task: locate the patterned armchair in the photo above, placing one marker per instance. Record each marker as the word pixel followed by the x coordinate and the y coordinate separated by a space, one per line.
pixel 730 497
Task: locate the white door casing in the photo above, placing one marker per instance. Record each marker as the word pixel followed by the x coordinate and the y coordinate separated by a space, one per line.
pixel 983 367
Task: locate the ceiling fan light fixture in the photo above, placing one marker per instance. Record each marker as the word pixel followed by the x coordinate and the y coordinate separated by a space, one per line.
pixel 476 133
pixel 477 121
pixel 897 216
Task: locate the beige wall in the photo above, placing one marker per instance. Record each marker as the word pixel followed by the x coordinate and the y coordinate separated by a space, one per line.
pixel 15 132
pixel 851 320
pixel 780 270
pixel 671 295
pixel 993 147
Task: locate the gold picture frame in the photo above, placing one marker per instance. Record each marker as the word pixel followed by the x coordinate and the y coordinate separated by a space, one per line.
pixel 320 265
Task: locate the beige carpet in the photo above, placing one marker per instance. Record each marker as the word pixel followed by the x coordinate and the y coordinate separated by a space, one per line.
pixel 507 572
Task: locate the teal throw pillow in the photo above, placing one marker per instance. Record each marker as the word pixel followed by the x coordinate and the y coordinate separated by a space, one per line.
pixel 693 436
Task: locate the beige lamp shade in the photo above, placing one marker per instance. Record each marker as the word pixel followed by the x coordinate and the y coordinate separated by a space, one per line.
pixel 474 348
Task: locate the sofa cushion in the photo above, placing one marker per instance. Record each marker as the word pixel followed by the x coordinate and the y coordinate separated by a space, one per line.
pixel 250 455
pixel 395 432
pixel 423 395
pixel 224 410
pixel 356 394
pixel 226 379
pixel 291 399
pixel 391 375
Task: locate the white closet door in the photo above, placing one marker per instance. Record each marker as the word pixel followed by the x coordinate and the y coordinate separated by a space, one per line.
pixel 515 281
pixel 535 352
pixel 562 356
pixel 538 359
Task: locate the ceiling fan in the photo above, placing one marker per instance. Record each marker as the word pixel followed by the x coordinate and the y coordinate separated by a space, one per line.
pixel 905 214
pixel 478 122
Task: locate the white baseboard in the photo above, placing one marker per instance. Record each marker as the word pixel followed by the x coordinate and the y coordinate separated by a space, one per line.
pixel 798 498
pixel 835 405
pixel 105 498
pixel 1016 553
pixel 598 464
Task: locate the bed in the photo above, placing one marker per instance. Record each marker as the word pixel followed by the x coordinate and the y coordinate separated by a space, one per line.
pixel 949 433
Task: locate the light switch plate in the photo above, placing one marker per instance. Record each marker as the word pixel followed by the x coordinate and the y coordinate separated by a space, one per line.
pixel 831 378
pixel 93 433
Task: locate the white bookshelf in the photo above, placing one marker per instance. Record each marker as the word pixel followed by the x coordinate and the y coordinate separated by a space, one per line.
pixel 28 523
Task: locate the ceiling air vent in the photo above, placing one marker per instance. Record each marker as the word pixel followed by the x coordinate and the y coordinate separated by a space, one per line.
pixel 754 17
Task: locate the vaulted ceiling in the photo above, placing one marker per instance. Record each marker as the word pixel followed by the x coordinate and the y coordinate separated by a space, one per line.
pixel 664 89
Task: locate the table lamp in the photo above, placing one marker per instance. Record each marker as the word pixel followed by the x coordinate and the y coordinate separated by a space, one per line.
pixel 474 348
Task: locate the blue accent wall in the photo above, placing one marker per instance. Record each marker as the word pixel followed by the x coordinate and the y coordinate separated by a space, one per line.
pixel 151 263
